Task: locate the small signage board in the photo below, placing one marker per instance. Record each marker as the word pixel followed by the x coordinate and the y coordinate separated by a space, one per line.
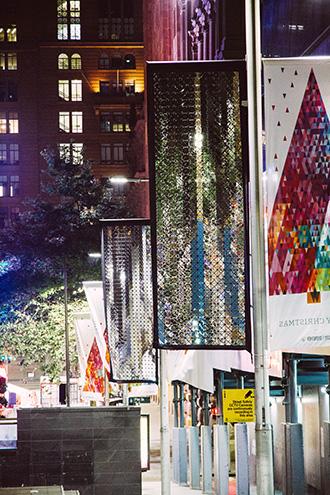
pixel 238 405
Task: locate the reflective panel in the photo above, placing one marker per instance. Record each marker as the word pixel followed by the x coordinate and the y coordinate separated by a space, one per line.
pixel 128 300
pixel 198 186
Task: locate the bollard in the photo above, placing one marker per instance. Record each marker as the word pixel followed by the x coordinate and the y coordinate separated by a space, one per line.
pixel 326 454
pixel 194 460
pixel 293 463
pixel 221 459
pixel 206 447
pixel 175 454
pixel 179 456
pixel 242 459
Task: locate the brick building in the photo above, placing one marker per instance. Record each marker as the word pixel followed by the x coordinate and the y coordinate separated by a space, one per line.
pixel 71 78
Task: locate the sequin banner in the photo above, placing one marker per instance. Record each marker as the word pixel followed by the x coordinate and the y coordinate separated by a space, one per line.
pixel 197 150
pixel 128 300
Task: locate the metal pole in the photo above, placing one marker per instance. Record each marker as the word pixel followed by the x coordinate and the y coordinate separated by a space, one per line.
pixel 165 462
pixel 193 406
pixel 181 404
pixel 220 385
pixel 293 387
pixel 67 341
pixel 264 450
pixel 175 404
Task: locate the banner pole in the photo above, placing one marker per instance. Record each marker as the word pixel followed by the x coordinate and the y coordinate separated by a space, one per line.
pixel 264 448
pixel 165 461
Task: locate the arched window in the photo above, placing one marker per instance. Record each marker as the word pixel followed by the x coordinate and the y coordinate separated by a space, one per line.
pixel 76 61
pixel 104 62
pixel 63 61
pixel 129 61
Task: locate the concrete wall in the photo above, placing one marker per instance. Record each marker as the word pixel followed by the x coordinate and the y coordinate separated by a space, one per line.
pixel 93 450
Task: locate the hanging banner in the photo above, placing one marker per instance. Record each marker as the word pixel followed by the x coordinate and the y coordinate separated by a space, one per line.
pixel 128 299
pixel 297 109
pixel 198 171
pixel 90 361
pixel 95 298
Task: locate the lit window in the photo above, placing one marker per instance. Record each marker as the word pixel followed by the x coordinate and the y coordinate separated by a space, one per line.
pixel 64 90
pixel 13 154
pixel 106 153
pixel 13 123
pixel 12 61
pixel 3 153
pixel 104 61
pixel 3 186
pixel 62 31
pixel 71 152
pixel 3 123
pixel 77 152
pixel 77 122
pixel 64 121
pixel 75 32
pixel 75 61
pixel 76 90
pixel 14 186
pixel 12 33
pixel 2 34
pixel 68 19
pixel 2 61
pixel 63 61
pixel 118 153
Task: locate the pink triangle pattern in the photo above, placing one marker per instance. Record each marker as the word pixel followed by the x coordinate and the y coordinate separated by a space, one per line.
pixel 298 254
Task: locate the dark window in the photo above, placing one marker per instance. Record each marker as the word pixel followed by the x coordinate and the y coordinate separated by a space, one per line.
pixel 8 91
pixel 129 61
pixel 104 61
pixel 3 217
pixel 104 87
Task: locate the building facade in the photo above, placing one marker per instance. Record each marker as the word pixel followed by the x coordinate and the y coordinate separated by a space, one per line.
pixel 71 79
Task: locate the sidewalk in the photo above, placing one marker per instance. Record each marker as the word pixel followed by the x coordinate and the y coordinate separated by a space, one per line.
pixel 151 484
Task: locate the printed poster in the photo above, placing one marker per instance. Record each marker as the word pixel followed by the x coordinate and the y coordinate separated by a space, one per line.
pixel 297 109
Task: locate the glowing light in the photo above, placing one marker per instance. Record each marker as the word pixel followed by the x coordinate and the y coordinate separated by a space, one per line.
pixel 122 276
pixel 95 255
pixel 118 180
pixel 198 140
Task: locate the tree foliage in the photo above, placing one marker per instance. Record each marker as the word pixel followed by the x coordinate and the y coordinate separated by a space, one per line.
pixel 54 232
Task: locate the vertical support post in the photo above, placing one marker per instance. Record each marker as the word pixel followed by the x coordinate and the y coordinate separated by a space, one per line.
pixel 293 462
pixel 285 385
pixel 164 426
pixel 220 385
pixel 327 364
pixel 175 404
pixel 206 400
pixel 181 404
pixel 242 459
pixel 193 394
pixel 67 340
pixel 326 440
pixel 292 390
pixel 206 445
pixel 106 388
pixel 221 459
pixel 264 447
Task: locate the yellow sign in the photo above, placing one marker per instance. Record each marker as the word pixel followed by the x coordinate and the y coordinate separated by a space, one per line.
pixel 238 405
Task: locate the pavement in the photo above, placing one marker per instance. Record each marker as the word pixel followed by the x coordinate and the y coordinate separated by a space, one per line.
pixel 151 484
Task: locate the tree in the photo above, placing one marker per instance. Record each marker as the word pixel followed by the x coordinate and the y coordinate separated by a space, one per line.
pixel 50 238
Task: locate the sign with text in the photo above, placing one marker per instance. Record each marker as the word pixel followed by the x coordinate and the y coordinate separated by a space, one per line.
pixel 238 405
